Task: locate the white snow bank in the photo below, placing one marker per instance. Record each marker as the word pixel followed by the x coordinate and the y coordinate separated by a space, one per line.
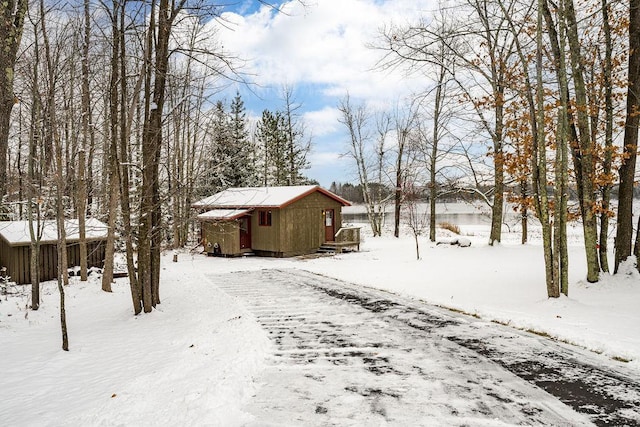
pixel 191 362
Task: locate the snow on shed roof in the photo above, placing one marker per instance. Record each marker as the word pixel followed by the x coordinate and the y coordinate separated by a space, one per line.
pixel 16 233
pixel 273 197
pixel 223 214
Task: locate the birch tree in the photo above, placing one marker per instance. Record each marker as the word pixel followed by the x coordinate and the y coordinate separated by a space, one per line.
pixel 356 121
pixel 483 48
pixel 405 124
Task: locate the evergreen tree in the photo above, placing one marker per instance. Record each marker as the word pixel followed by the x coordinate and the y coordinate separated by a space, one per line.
pixel 297 146
pixel 221 165
pixel 243 172
pixel 283 149
pixel 272 139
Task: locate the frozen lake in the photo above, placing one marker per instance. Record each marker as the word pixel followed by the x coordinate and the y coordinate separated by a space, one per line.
pixel 454 213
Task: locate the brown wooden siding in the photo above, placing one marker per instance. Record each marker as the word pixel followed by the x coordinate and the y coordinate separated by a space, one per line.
pixel 17 258
pixel 295 229
pixel 303 223
pixel 266 238
pixel 225 233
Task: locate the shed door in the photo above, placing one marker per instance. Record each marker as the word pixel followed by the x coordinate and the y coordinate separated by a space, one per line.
pixel 245 232
pixel 329 225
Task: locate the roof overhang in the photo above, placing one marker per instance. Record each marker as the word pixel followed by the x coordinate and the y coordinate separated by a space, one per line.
pixel 223 214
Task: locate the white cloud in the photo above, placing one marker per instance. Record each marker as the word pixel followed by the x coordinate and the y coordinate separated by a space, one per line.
pixel 327 167
pixel 325 43
pixel 323 122
pixel 322 48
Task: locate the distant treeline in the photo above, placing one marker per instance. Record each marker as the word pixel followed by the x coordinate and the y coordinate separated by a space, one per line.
pixel 353 193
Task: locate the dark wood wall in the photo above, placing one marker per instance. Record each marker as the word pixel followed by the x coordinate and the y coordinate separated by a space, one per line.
pixel 297 228
pixel 302 223
pixel 224 233
pixel 16 259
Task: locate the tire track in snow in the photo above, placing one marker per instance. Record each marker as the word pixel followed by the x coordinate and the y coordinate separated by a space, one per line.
pixel 344 355
pixel 608 395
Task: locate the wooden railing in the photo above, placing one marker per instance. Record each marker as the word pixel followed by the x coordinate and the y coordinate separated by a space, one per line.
pixel 347 237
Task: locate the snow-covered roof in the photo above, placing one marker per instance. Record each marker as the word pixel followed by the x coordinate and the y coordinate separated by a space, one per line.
pixel 223 214
pixel 272 197
pixel 17 233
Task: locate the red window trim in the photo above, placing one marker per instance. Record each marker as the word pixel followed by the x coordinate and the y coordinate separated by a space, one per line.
pixel 264 218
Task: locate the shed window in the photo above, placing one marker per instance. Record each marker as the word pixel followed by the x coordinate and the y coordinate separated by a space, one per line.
pixel 265 218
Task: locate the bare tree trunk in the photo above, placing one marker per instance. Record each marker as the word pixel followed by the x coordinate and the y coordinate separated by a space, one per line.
pixel 403 128
pixel 567 139
pixel 540 163
pixel 376 205
pixel 63 277
pixel 433 193
pixel 561 257
pixel 636 248
pixel 34 258
pixel 62 251
pixel 355 121
pixel 12 15
pixel 435 143
pixel 112 152
pixel 82 208
pixel 126 120
pixel 585 144
pixel 398 192
pixel 86 123
pixel 150 211
pixel 524 215
pixel 54 139
pixel 34 233
pixel 627 170
pixel 497 207
pixel 107 272
pixel 608 150
pixel 146 203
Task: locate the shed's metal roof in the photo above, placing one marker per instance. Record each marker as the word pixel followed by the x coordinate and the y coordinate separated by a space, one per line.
pixel 272 197
pixel 16 233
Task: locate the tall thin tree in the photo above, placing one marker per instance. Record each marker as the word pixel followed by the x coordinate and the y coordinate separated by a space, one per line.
pixel 12 17
pixel 624 232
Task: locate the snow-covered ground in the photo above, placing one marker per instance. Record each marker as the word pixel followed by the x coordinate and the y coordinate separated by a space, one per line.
pixel 193 361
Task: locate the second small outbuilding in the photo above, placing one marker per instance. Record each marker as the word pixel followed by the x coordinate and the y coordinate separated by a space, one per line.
pixel 269 221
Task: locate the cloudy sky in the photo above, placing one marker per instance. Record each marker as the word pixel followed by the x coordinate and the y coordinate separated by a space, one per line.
pixel 321 52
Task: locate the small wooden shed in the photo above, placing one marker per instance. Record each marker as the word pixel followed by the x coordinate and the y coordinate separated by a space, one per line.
pixel 15 249
pixel 269 221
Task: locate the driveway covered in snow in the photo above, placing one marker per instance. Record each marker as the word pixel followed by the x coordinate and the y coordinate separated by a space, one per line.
pixel 344 355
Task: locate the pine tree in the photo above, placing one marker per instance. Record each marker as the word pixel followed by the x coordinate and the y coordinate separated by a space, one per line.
pixel 243 173
pixel 271 136
pixel 297 146
pixel 221 170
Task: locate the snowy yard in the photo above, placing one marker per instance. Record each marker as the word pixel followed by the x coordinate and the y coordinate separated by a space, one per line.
pixel 196 360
